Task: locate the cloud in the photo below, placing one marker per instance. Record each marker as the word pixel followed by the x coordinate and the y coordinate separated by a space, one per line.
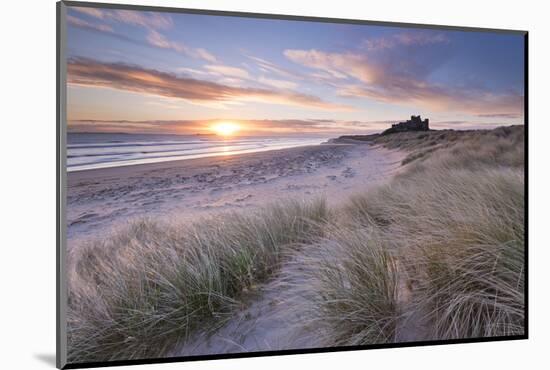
pixel 92 12
pixel 258 126
pixel 464 125
pixel 402 77
pixel 77 22
pixel 144 19
pixel 201 53
pixel 500 115
pixel 235 76
pixel 331 64
pixel 279 84
pixel 267 66
pixel 128 126
pixel 296 125
pixel 125 77
pixel 227 71
pixel 158 40
pixel 439 98
pixel 149 20
pixel 191 71
pixel 416 38
pixel 451 122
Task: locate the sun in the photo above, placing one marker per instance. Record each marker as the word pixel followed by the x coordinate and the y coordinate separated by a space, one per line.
pixel 225 128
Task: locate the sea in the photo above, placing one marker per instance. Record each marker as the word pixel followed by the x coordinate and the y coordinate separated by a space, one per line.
pixel 100 150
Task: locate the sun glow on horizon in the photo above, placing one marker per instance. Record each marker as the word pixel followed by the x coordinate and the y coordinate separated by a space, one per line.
pixel 226 128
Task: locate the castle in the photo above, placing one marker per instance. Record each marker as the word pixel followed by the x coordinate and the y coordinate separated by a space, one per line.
pixel 414 124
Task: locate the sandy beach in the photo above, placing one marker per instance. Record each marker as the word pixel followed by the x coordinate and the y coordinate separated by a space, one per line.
pixel 102 199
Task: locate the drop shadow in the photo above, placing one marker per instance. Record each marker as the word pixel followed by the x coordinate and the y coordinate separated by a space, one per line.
pixel 47 358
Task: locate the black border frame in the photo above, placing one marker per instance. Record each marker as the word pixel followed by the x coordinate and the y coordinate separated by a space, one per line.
pixel 61 173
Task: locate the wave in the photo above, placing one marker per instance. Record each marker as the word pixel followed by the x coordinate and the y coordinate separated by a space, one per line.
pixel 100 151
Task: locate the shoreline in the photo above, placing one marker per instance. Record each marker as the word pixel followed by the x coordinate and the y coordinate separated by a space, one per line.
pixel 215 150
pixel 117 170
pixel 101 199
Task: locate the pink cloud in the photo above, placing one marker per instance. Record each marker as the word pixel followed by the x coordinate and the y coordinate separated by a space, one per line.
pixel 332 64
pixel 228 71
pixel 439 98
pixel 152 22
pixel 249 126
pixel 279 84
pixel 360 76
pixel 148 20
pixel 77 22
pixel 267 66
pixel 88 72
pixel 412 38
pixel 158 40
pixel 92 12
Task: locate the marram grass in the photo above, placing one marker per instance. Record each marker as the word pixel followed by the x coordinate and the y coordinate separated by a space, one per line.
pixel 443 242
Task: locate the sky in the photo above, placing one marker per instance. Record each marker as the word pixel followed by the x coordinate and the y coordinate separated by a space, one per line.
pixel 157 72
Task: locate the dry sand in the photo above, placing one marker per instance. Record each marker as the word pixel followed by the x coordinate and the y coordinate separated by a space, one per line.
pixel 102 199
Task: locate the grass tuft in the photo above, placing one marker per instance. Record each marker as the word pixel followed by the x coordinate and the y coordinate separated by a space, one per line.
pixel 136 293
pixel 352 283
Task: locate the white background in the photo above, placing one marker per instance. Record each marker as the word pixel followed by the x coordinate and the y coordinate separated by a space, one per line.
pixel 27 182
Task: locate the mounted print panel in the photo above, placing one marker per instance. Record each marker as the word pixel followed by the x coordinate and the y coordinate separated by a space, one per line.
pixel 235 184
